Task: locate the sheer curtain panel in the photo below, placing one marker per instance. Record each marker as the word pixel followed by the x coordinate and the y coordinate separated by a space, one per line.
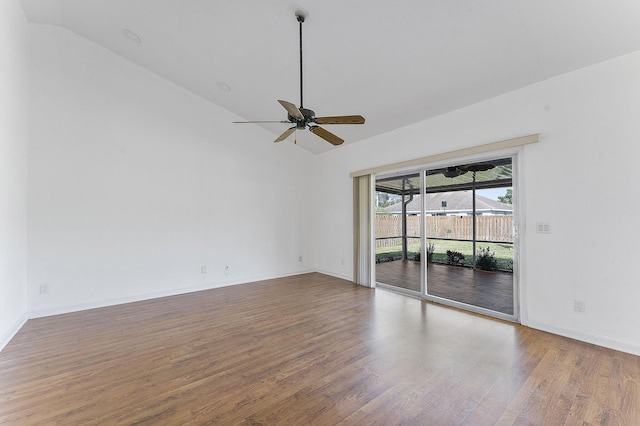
pixel 363 272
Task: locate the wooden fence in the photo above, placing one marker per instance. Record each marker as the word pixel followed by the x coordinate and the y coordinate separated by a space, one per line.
pixel 489 228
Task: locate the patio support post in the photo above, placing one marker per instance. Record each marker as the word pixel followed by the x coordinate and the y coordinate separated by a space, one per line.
pixel 405 240
pixel 405 246
pixel 404 229
pixel 473 211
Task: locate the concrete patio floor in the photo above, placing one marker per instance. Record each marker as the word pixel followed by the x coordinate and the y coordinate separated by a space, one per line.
pixel 489 290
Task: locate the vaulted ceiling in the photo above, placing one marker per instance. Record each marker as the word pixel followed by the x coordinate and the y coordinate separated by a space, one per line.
pixel 395 63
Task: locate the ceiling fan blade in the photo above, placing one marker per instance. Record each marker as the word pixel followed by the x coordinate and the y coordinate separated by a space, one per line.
pixel 342 119
pixel 481 167
pixel 286 134
pixel 326 135
pixel 261 121
pixel 292 109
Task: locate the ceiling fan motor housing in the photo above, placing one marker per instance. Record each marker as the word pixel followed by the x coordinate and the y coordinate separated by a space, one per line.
pixel 309 117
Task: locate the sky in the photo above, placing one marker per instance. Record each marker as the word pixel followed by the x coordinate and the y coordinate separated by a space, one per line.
pixel 492 194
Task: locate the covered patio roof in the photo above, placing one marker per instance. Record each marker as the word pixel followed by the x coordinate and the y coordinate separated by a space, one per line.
pixel 498 174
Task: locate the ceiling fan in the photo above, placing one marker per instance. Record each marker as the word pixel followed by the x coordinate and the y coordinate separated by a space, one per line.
pixel 456 171
pixel 303 118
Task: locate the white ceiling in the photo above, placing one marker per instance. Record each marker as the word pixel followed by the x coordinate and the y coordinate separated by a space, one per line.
pixel 395 63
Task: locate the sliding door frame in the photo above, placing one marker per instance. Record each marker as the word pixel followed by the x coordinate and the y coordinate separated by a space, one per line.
pixel 514 154
pixel 500 149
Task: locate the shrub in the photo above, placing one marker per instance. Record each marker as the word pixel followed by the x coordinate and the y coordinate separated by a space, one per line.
pixel 454 257
pixel 430 250
pixel 387 257
pixel 486 260
pixel 508 265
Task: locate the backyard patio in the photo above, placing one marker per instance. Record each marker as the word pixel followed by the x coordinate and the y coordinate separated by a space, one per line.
pixel 489 290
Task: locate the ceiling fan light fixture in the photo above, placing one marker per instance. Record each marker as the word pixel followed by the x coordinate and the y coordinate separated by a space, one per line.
pixel 452 172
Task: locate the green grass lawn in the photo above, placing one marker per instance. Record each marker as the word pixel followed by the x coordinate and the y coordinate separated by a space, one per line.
pixel 502 252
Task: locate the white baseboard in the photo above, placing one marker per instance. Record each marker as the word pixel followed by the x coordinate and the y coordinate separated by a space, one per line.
pixel 604 341
pixel 40 313
pixel 333 274
pixel 13 331
pixel 595 339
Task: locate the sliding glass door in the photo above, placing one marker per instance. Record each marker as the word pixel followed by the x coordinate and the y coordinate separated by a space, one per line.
pixel 446 234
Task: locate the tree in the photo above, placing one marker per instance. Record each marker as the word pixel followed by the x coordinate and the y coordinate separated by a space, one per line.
pixel 385 199
pixel 507 198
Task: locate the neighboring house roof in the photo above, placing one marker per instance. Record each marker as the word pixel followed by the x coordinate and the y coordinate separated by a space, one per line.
pixel 456 201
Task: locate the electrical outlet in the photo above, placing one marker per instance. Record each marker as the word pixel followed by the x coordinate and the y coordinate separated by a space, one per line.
pixel 203 269
pixel 44 290
pixel 227 270
pixel 543 228
pixel 299 258
pixel 578 305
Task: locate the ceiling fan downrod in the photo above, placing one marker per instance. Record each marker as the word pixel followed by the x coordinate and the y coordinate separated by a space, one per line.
pixel 300 14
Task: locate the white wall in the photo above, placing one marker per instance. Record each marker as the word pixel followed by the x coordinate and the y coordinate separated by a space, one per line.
pixel 581 178
pixel 135 184
pixel 13 168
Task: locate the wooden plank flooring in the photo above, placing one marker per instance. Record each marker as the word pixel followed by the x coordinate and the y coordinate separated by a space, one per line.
pixel 489 290
pixel 309 349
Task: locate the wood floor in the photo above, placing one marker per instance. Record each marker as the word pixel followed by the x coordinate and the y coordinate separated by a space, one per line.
pixel 309 349
pixel 489 290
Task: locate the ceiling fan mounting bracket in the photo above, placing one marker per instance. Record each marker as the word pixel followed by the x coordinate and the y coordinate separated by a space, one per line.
pixel 301 15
